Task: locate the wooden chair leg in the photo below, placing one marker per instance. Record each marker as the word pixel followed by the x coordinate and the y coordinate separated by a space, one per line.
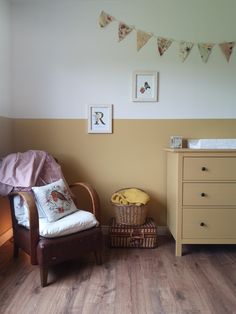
pixel 15 250
pixel 43 276
pixel 98 257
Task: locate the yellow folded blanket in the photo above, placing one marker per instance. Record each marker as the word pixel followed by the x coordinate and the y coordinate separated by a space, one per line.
pixel 118 198
pixel 130 196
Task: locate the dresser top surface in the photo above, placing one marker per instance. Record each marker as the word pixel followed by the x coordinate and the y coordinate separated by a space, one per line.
pixel 199 150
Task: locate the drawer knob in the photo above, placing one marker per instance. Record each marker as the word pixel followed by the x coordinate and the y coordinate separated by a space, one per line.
pixel 204 168
pixel 203 194
pixel 202 224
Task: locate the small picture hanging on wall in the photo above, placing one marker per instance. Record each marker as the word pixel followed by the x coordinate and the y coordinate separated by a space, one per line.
pixel 100 119
pixel 145 86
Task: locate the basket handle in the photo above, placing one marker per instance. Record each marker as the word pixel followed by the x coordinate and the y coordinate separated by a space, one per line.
pixel 136 236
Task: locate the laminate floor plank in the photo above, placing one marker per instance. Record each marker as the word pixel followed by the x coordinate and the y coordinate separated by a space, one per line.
pixel 130 281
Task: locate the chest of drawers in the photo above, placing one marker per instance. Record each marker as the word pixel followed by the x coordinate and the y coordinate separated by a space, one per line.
pixel 201 196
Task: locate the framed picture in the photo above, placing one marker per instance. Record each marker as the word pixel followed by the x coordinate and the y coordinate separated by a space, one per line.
pixel 100 119
pixel 145 86
pixel 176 141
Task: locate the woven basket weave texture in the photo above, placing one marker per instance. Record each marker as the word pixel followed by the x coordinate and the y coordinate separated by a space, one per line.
pixel 130 214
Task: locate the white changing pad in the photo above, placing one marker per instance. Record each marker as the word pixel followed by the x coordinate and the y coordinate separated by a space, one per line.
pixel 212 143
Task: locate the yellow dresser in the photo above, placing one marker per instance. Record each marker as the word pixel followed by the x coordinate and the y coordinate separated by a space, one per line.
pixel 201 196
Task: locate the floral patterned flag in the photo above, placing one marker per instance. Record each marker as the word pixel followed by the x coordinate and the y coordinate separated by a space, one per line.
pixel 163 44
pixel 142 39
pixel 185 49
pixel 124 30
pixel 227 49
pixel 105 19
pixel 205 51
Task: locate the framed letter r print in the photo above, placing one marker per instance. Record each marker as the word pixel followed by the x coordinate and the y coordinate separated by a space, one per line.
pixel 100 119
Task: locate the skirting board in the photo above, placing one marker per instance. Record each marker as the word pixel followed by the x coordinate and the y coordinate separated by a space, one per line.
pixel 161 230
pixel 6 236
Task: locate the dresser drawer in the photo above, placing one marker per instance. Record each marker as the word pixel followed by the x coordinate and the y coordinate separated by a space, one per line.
pixel 209 168
pixel 209 223
pixel 198 194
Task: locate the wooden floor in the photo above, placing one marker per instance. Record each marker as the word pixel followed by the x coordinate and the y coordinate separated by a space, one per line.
pixel 129 281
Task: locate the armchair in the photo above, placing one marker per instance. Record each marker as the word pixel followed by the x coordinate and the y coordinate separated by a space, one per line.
pixel 53 249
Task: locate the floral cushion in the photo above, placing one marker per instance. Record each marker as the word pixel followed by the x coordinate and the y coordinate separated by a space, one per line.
pixel 22 211
pixel 54 200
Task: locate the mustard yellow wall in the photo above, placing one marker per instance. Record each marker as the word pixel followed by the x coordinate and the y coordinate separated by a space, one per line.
pixel 5 136
pixel 5 148
pixel 132 156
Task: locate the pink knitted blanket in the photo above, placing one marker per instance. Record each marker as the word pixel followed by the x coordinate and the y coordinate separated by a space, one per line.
pixel 21 171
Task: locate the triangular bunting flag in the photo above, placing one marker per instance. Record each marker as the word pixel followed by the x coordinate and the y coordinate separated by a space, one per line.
pixel 124 30
pixel 163 44
pixel 185 49
pixel 205 51
pixel 227 49
pixel 142 39
pixel 105 19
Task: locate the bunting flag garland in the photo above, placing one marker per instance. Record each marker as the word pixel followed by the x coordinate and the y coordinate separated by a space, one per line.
pixel 105 19
pixel 124 30
pixel 164 43
pixel 142 39
pixel 227 49
pixel 184 49
pixel 205 51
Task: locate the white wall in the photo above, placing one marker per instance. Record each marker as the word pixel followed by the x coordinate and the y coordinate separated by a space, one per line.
pixel 4 59
pixel 63 61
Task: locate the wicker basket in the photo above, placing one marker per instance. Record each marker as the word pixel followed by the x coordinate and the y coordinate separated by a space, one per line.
pixel 143 236
pixel 130 214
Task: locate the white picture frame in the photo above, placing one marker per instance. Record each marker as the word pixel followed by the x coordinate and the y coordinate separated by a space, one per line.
pixel 145 86
pixel 100 118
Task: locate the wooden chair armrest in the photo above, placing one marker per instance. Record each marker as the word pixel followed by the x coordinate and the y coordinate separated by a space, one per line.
pixel 33 223
pixel 95 202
